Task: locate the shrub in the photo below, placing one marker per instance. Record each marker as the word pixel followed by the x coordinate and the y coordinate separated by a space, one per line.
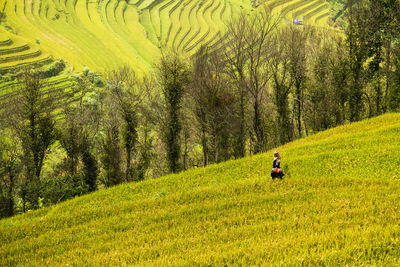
pixel 86 70
pixel 8 77
pixel 52 69
pixel 62 188
pixel 98 81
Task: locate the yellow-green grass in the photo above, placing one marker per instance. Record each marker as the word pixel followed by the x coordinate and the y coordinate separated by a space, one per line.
pixel 322 17
pixel 4 40
pixel 339 205
pixel 316 12
pixel 38 61
pixel 293 5
pixel 53 82
pixel 90 33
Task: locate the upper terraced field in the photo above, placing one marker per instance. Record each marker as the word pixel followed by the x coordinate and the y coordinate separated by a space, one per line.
pixel 315 12
pixel 104 34
pixel 16 53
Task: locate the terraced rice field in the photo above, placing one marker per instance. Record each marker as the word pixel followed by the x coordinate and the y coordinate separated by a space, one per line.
pixel 314 12
pixel 105 34
pixel 15 53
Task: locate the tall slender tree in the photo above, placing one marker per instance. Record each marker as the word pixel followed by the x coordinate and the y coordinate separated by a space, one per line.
pixel 174 77
pixel 127 94
pixel 33 121
pixel 298 65
pixel 259 52
pixel 236 58
pixel 357 39
pixel 282 84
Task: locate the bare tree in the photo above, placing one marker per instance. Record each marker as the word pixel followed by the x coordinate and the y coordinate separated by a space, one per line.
pixel 214 105
pixel 248 54
pixel 236 58
pixel 259 51
pixel 298 67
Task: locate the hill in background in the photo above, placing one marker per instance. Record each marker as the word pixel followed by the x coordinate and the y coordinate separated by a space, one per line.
pixel 338 205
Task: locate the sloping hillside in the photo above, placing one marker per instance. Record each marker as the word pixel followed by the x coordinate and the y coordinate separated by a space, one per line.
pixel 340 204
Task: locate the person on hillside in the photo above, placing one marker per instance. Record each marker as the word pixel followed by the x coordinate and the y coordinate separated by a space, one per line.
pixel 276 167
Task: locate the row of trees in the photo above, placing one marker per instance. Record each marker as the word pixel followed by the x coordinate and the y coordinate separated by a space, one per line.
pixel 51 152
pixel 263 85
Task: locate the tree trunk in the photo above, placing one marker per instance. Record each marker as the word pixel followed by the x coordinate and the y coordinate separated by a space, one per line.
pixel 378 97
pixel 259 146
pixel 343 103
pixel 388 52
pixel 242 137
pixel 10 211
pixel 298 95
pixel 128 165
pixel 204 145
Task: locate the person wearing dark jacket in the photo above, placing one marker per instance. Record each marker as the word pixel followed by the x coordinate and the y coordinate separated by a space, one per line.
pixel 276 171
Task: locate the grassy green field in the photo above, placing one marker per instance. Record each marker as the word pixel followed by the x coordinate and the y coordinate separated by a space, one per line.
pixel 339 205
pixel 109 33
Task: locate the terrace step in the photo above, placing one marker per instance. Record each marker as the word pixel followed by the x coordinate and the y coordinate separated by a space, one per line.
pixel 13 50
pixel 6 42
pixel 20 56
pixel 316 11
pixel 322 16
pixel 31 62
